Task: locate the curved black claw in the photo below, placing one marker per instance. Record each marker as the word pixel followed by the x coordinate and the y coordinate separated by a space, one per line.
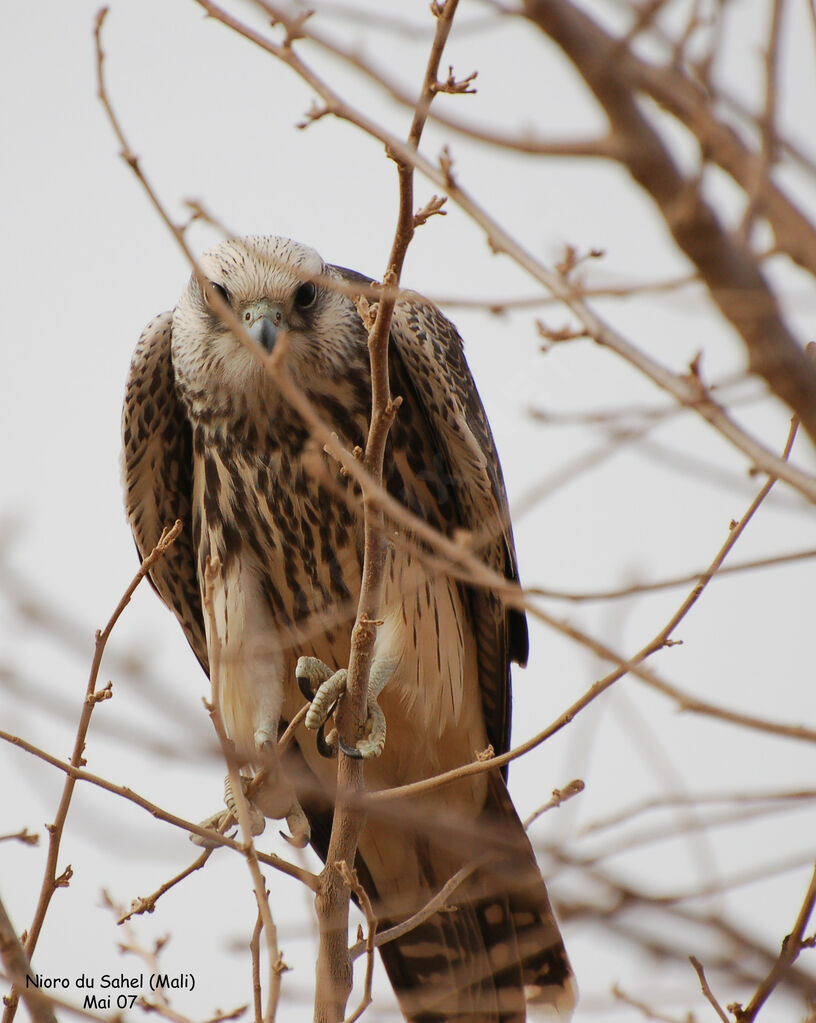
pixel 323 748
pixel 299 842
pixel 350 751
pixel 305 688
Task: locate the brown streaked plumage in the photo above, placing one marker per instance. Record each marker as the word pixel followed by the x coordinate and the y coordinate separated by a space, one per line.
pixel 208 439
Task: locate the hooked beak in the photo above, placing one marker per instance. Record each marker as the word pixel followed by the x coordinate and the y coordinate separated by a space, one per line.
pixel 266 324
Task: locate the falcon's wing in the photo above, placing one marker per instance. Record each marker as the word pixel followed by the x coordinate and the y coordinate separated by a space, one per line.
pixel 428 350
pixel 157 470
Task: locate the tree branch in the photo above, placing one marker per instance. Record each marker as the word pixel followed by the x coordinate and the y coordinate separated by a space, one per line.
pixel 18 966
pixel 791 947
pixel 334 970
pixel 730 271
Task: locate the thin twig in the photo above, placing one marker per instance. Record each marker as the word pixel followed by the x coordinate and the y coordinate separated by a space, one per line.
pixel 432 906
pixel 558 797
pixel 211 836
pixel 352 882
pixel 667 584
pixel 25 836
pixel 698 966
pixel 148 903
pixel 659 803
pixel 767 123
pixel 647 1010
pixel 255 951
pixel 791 947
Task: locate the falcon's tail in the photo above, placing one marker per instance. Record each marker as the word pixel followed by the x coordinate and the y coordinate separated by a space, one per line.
pixel 495 945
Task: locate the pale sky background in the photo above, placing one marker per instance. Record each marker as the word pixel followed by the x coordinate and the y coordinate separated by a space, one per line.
pixel 86 263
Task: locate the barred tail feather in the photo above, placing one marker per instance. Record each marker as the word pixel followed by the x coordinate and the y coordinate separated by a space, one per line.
pixel 496 947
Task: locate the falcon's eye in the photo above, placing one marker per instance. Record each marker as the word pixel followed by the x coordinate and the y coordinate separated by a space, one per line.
pixel 305 295
pixel 219 289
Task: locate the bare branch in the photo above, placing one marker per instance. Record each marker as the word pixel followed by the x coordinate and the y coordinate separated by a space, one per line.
pixel 559 797
pixel 148 903
pixel 730 271
pixel 791 947
pixel 666 584
pixel 698 967
pixel 24 836
pixel 18 966
pixel 212 837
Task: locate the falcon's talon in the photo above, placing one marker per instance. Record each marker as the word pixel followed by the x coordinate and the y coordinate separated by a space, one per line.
pixel 325 700
pixel 372 746
pixel 305 687
pixel 310 673
pixel 299 827
pixel 326 746
pixel 222 818
pixel 257 820
pixel 350 751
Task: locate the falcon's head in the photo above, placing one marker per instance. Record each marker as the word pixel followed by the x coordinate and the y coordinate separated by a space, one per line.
pixel 272 286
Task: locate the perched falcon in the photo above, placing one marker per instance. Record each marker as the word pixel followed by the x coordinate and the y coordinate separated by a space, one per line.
pixel 209 439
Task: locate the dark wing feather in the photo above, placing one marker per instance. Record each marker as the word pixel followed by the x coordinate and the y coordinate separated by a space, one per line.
pixel 427 353
pixel 157 469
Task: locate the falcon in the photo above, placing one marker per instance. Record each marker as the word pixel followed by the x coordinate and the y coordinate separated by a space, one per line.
pixel 210 439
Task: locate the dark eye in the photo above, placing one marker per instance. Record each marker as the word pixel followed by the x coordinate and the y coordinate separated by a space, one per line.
pixel 218 289
pixel 305 295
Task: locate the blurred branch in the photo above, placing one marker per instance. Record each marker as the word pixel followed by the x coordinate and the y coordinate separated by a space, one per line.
pixel 658 803
pixel 667 584
pixel 661 929
pixel 728 268
pixel 647 1010
pixel 212 837
pixel 18 966
pixel 24 836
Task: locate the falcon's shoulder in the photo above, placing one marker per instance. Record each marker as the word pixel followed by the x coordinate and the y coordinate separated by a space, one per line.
pixel 157 472
pixel 430 354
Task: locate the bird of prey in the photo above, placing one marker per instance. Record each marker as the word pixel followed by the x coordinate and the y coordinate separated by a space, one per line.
pixel 210 439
